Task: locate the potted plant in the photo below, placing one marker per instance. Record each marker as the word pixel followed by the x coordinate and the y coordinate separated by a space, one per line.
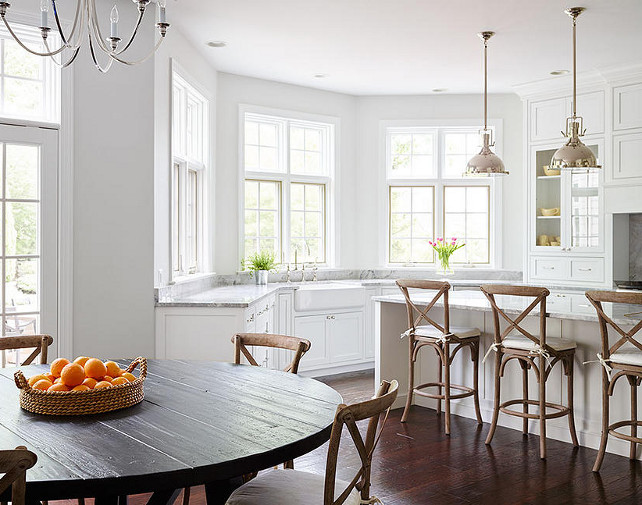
pixel 445 248
pixel 260 264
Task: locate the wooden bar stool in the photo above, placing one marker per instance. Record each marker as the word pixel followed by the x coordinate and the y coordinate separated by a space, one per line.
pixel 518 344
pixel 440 338
pixel 622 359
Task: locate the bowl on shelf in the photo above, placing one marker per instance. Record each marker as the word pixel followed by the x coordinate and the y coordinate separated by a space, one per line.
pixel 550 171
pixel 550 212
pixel 554 244
pixel 542 241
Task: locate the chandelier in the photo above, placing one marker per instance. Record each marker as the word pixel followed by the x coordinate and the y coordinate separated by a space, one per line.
pixel 486 163
pixel 86 21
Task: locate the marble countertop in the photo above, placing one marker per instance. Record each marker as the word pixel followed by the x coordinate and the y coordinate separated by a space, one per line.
pixel 560 305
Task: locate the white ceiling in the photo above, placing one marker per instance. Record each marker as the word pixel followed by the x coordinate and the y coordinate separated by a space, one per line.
pixel 371 47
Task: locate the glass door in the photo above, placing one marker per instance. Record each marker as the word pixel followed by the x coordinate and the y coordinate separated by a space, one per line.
pixel 28 247
pixel 548 203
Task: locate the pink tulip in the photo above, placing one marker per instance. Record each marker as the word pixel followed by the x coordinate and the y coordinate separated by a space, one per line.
pixel 440 239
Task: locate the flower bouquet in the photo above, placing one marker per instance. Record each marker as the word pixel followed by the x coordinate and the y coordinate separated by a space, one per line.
pixel 445 248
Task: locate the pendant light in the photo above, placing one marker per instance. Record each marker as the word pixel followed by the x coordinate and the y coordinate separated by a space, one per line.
pixel 574 154
pixel 486 163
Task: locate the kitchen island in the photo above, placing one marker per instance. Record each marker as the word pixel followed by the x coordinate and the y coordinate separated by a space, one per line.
pixel 570 316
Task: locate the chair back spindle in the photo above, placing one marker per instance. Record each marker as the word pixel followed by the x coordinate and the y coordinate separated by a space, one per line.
pixel 241 340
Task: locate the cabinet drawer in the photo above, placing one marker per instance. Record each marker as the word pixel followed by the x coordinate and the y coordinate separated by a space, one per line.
pixel 550 268
pixel 558 302
pixel 587 269
pixel 580 305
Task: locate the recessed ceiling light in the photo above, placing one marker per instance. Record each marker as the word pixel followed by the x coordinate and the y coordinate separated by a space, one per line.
pixel 217 43
pixel 439 90
pixel 560 72
pixel 320 76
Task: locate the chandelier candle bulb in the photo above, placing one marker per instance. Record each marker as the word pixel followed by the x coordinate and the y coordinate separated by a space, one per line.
pixel 114 22
pixel 44 13
pixel 161 11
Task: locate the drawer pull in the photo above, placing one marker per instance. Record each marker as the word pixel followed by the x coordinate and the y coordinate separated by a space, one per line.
pixel 329 317
pixel 585 269
pixel 251 318
pixel 548 268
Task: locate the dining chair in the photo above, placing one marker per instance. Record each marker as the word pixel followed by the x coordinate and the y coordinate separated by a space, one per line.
pixel 516 343
pixel 39 343
pixel 14 465
pixel 622 359
pixel 242 340
pixel 294 487
pixel 424 331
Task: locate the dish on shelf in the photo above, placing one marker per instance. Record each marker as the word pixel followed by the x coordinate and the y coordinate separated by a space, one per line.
pixel 550 171
pixel 542 240
pixel 554 244
pixel 550 212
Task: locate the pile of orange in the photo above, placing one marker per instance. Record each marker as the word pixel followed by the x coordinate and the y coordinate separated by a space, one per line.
pixel 82 374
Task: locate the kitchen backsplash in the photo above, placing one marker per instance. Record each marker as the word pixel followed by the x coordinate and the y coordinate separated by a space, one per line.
pixel 635 247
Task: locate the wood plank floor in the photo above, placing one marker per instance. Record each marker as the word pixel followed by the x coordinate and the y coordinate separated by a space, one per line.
pixel 417 464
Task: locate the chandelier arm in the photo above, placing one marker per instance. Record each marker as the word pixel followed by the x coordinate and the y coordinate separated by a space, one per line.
pixel 103 70
pixel 142 60
pixel 59 25
pixel 68 62
pixel 94 26
pixel 99 36
pixel 36 53
pixel 134 33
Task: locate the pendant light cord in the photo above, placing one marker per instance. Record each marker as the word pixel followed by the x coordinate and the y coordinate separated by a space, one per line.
pixel 574 67
pixel 485 84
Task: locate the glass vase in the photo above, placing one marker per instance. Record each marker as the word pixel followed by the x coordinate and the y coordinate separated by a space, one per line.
pixel 444 265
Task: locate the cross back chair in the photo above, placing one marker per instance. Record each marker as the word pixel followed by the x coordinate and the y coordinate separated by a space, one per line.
pixel 14 465
pixel 292 487
pixel 622 359
pixel 299 345
pixel 40 343
pixel 526 348
pixel 424 331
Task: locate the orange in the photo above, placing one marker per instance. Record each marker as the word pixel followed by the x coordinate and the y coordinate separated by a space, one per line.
pixel 57 381
pixel 72 375
pixel 129 376
pixel 51 377
pixel 103 384
pixel 37 378
pixel 95 368
pixel 81 360
pixel 81 387
pixel 119 380
pixel 58 387
pixel 108 378
pixel 113 369
pixel 42 384
pixel 58 365
pixel 90 383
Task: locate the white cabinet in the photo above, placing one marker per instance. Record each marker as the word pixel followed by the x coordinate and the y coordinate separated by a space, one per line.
pixel 337 339
pixel 627 153
pixel 548 117
pixel 627 107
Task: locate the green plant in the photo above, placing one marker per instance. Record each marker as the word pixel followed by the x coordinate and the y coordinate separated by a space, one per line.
pixel 264 260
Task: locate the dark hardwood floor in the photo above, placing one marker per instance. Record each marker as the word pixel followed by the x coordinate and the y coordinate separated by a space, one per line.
pixel 417 464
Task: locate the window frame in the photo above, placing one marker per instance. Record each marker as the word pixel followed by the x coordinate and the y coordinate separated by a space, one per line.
pixel 330 161
pixel 439 128
pixel 187 162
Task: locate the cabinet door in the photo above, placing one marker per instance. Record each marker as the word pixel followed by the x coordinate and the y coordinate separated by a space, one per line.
pixel 548 119
pixel 591 107
pixel 346 337
pixel 314 329
pixel 627 152
pixel 627 107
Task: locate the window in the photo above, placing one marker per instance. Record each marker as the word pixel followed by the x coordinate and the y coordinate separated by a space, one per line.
pixel 428 197
pixel 189 175
pixel 29 84
pixel 288 165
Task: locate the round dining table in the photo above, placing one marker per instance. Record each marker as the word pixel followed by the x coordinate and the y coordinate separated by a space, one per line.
pixel 200 423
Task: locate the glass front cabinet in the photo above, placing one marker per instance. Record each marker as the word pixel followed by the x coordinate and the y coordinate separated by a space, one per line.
pixel 566 237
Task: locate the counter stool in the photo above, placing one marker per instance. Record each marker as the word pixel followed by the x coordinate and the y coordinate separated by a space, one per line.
pixel 622 359
pixel 518 344
pixel 440 338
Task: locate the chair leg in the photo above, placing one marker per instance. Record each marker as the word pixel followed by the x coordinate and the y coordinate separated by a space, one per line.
pixel 475 350
pixel 493 424
pixel 446 365
pixel 524 367
pixel 288 465
pixel 440 378
pixel 571 408
pixel 605 422
pixel 411 379
pixel 542 407
pixel 633 381
pixel 186 495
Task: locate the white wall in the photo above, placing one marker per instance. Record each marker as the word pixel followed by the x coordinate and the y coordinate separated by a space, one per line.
pixel 234 90
pixel 373 110
pixel 203 76
pixel 114 203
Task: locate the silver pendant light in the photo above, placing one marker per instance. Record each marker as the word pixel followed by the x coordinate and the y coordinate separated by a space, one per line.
pixel 574 154
pixel 486 163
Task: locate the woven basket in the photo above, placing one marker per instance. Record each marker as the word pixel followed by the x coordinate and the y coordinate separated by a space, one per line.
pixel 78 403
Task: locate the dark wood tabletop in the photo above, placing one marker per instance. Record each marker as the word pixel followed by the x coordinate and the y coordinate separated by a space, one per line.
pixel 200 423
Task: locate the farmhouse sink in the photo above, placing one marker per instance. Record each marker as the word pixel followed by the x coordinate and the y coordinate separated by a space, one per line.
pixel 324 296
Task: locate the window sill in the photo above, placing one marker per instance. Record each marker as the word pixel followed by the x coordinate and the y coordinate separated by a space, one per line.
pixel 183 279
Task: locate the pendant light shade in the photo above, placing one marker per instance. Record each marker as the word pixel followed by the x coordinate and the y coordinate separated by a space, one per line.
pixel 486 163
pixel 574 154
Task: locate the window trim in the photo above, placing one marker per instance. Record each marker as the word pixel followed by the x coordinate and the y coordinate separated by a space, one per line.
pixel 332 192
pixel 204 174
pixel 495 184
